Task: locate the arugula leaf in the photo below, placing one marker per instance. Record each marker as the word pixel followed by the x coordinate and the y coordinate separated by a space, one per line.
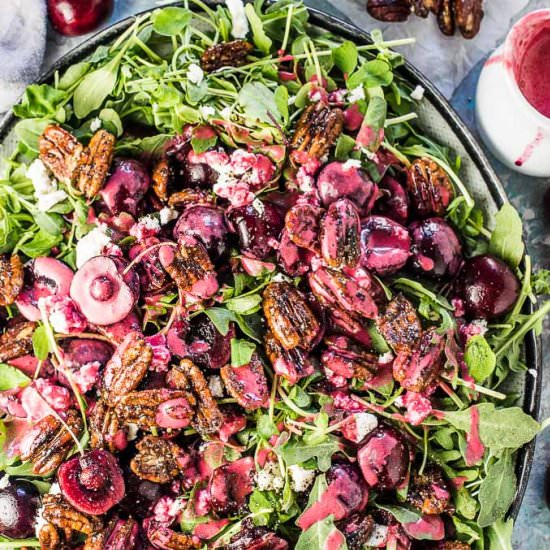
pixel 345 57
pixel 497 491
pixel 244 304
pixel 111 121
pixel 260 38
pixel 281 100
pixel 11 544
pixel 371 74
pixel 297 452
pixel 29 131
pixel 480 358
pixel 171 21
pixel 499 429
pixel 258 102
pixel 540 282
pixel 72 75
pixel 320 534
pixel 41 343
pixel 499 534
pixel 400 513
pixel 241 352
pixel 261 507
pixel 507 239
pixel 41 101
pixel 11 378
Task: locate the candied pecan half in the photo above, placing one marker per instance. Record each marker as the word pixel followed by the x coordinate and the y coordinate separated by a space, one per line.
pixel 52 442
pixel 119 534
pixel 190 196
pixel 247 383
pixel 156 460
pixel 317 130
pixel 390 11
pixel 415 370
pixel 60 151
pixel 292 364
pixel 429 492
pixel 348 359
pixel 126 369
pixel 63 516
pixel 104 426
pixel 289 317
pixel 142 407
pixel 167 539
pixel 256 537
pixel 191 269
pixel 453 545
pixel 226 54
pixel 16 340
pixel 188 377
pixel 468 15
pixel 161 178
pixel 445 18
pixel 430 189
pixel 11 278
pixel 50 538
pixel 400 325
pixel 94 163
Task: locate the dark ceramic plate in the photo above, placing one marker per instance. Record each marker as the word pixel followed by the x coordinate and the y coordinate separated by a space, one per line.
pixel 440 121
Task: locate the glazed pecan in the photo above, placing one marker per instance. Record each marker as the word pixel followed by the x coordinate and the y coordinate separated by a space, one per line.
pixel 453 545
pixel 445 18
pixel 188 377
pixel 317 130
pixel 347 359
pixel 52 442
pixel 94 163
pixel 357 530
pixel 50 538
pixel 126 369
pixel 119 534
pixel 104 426
pixel 302 225
pixel 190 196
pixel 429 187
pixel 60 151
pixel 191 269
pixel 468 15
pixel 416 369
pixel 429 492
pixel 62 515
pixel 389 10
pixel 423 7
pixel 292 364
pixel 226 54
pixel 156 460
pixel 400 325
pixel 161 178
pixel 289 317
pixel 247 383
pixel 16 340
pixel 11 278
pixel 162 537
pixel 142 407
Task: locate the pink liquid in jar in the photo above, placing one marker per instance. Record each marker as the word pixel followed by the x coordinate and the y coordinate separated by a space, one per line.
pixel 532 65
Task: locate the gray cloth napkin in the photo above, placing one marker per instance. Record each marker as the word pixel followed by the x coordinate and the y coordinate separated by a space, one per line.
pixel 22 46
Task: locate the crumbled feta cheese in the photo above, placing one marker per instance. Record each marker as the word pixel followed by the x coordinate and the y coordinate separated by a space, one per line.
pixel 150 222
pixel 195 74
pixel 55 489
pixel 132 431
pixel 385 358
pixel 39 521
pixel 258 205
pixel 95 125
pixel 206 111
pixel 238 18
pixel 45 189
pixel 378 536
pixel 91 245
pixel 226 113
pixel 316 96
pixel 215 385
pixel 300 478
pixel 4 482
pixel 418 93
pixel 350 164
pixel 167 215
pixel 364 424
pixel 270 479
pixel 291 100
pixel 281 278
pixel 357 94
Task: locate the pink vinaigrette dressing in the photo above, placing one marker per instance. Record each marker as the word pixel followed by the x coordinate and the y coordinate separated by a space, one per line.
pixel 475 448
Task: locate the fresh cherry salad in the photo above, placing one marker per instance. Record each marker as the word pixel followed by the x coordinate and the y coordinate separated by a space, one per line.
pixel 246 302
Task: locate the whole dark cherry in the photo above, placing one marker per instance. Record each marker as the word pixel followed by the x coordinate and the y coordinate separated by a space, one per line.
pixel 75 17
pixel 19 502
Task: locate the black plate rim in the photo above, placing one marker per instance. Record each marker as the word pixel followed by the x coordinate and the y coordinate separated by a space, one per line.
pixel 533 343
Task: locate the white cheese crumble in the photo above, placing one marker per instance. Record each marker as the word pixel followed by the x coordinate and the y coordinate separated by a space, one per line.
pixel 378 536
pixel 150 222
pixel 132 432
pixel 4 482
pixel 215 385
pixel 238 18
pixel 281 278
pixel 270 479
pixel 226 113
pixel 207 111
pixel 91 245
pixel 300 478
pixel 351 163
pixel 291 100
pixel 357 94
pixel 45 188
pixel 418 93
pixel 385 358
pixel 95 125
pixel 167 215
pixel 258 205
pixel 364 424
pixel 195 74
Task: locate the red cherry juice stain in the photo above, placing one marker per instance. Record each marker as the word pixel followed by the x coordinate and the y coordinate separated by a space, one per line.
pixel 530 148
pixel 474 448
